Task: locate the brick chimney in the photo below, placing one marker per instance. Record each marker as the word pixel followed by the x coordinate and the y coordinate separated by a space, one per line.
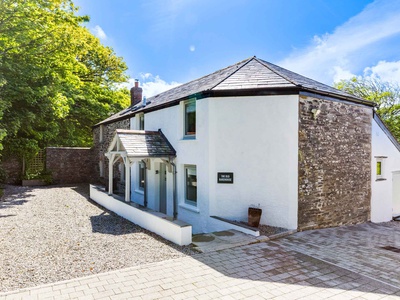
pixel 136 93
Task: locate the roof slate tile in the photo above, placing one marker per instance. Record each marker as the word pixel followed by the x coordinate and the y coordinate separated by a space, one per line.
pixel 249 74
pixel 140 143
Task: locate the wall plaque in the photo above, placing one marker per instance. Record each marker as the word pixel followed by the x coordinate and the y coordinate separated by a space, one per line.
pixel 225 177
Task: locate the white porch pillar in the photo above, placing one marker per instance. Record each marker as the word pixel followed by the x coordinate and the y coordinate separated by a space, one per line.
pixel 127 180
pixel 110 173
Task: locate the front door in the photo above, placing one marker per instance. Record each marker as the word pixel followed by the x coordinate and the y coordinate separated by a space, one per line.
pixel 163 188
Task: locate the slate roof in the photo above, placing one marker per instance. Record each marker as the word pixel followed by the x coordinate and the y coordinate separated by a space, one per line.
pixel 140 143
pixel 252 74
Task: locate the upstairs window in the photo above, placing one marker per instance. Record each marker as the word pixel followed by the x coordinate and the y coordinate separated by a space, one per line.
pixel 101 133
pixel 190 119
pixel 141 122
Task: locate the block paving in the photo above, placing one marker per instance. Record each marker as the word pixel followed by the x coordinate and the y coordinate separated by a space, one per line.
pixel 337 263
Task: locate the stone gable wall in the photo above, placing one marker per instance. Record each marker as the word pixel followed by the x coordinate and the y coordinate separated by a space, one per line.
pixel 100 149
pixel 70 164
pixel 334 163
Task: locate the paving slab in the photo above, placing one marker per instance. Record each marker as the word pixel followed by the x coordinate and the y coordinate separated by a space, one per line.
pixel 369 249
pixel 267 270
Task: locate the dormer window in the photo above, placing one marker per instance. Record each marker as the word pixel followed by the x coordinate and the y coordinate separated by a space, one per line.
pixel 190 119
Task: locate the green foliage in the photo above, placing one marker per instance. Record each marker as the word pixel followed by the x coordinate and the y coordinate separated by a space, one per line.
pixel 56 79
pixel 42 175
pixel 385 94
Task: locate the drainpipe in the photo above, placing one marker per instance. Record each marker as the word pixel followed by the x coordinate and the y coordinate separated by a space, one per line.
pixel 145 183
pixel 175 212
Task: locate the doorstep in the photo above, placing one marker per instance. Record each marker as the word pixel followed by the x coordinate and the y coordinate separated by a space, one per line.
pixel 221 240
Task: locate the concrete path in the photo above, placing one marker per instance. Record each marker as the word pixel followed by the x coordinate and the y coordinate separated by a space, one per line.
pixel 289 268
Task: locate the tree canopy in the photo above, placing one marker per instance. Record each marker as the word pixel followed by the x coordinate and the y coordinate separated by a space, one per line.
pixel 56 78
pixel 385 94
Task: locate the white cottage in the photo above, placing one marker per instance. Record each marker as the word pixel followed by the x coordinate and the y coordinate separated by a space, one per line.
pixel 195 158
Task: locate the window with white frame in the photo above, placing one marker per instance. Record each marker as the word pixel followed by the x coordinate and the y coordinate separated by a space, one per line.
pixel 101 168
pixel 380 167
pixel 101 133
pixel 190 185
pixel 190 119
pixel 141 176
pixel 141 122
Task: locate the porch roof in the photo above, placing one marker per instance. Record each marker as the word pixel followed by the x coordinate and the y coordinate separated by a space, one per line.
pixel 142 144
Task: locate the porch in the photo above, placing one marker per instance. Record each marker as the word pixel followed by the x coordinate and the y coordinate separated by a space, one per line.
pixel 169 228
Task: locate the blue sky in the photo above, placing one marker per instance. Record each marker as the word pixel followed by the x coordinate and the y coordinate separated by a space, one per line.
pixel 168 42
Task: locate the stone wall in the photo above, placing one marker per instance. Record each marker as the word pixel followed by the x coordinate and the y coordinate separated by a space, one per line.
pixel 70 164
pixel 12 166
pixel 334 163
pixel 100 149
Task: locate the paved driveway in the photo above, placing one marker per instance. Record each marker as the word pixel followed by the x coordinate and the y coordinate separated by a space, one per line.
pixel 337 263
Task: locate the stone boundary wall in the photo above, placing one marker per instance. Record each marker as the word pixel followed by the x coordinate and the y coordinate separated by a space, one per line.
pixel 12 165
pixel 70 164
pixel 334 163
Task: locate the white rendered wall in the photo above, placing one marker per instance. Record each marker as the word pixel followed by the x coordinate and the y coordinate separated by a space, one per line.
pixel 256 138
pixel 382 191
pixel 189 152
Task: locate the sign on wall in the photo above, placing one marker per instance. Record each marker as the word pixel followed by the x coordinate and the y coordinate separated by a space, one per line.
pixel 225 177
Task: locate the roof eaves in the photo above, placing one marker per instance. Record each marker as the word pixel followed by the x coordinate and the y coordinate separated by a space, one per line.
pixel 339 96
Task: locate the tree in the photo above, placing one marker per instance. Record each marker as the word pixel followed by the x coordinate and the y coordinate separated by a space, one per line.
pixel 56 78
pixel 385 94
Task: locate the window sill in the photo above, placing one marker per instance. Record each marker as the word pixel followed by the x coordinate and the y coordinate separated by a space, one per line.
pixel 380 179
pixel 189 207
pixel 189 138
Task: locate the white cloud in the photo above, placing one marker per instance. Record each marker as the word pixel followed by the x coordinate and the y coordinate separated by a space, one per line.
pixel 152 85
pixel 341 74
pixel 192 48
pixel 386 71
pixel 99 32
pixel 347 49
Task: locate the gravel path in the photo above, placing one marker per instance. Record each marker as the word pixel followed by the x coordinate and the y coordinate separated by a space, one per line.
pixel 48 234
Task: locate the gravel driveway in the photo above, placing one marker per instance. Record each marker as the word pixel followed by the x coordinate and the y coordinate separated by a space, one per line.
pixel 54 233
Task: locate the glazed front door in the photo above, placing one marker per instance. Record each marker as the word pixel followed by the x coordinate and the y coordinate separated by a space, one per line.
pixel 163 188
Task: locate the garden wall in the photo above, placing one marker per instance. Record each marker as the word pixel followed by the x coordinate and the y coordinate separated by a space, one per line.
pixel 70 164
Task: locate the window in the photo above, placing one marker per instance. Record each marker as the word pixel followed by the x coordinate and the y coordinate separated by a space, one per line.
pixel 101 133
pixel 101 168
pixel 190 119
pixel 141 176
pixel 190 185
pixel 141 122
pixel 380 168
